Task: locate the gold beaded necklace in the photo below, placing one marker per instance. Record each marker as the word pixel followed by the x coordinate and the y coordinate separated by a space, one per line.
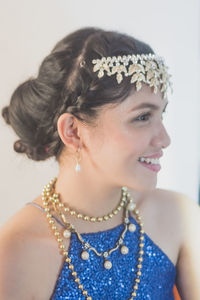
pixel 74 213
pixel 47 194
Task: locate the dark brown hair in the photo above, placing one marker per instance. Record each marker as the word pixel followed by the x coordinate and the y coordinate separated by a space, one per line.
pixel 63 85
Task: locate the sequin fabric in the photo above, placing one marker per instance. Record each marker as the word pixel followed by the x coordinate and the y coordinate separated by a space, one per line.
pixel 158 271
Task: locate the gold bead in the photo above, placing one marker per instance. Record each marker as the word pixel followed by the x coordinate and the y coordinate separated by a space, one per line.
pixel 66 209
pixel 48 215
pixel 77 280
pixel 137 280
pixel 140 259
pixel 139 266
pixel 89 298
pixel 106 218
pixel 119 208
pixel 65 253
pixel 80 286
pixel 80 216
pixel 93 219
pixel 115 212
pixel 51 221
pixel 47 209
pixel 110 215
pixel 84 293
pixel 71 267
pixel 59 240
pixel 57 233
pixel 100 219
pixel 141 252
pixel 135 287
pixel 141 231
pixel 141 245
pixel 68 260
pixel 133 294
pixel 74 273
pixel 86 218
pixel 139 273
pixel 62 247
pixel 72 212
pixel 54 227
pixel 141 238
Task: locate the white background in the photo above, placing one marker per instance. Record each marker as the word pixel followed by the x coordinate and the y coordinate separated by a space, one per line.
pixel 29 30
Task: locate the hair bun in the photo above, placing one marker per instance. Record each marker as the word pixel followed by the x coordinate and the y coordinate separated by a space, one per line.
pixel 5 114
pixel 19 147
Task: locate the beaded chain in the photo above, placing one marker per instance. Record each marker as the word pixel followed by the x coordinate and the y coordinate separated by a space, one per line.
pixel 58 207
pixel 47 194
pixel 72 212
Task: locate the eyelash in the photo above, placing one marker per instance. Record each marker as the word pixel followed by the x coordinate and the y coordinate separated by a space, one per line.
pixel 144 115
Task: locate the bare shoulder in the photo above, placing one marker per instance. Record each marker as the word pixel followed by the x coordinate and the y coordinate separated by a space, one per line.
pixel 187 213
pixel 177 208
pixel 27 253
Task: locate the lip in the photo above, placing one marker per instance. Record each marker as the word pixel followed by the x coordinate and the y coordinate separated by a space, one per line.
pixel 155 155
pixel 155 168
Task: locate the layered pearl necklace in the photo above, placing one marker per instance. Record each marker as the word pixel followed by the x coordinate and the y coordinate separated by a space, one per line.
pixel 52 202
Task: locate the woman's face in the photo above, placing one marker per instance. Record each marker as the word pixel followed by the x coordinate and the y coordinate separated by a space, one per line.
pixel 124 134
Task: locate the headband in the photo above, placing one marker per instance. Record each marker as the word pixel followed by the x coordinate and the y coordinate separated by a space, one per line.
pixel 147 68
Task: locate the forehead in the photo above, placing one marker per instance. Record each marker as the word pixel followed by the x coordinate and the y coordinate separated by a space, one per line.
pixel 144 95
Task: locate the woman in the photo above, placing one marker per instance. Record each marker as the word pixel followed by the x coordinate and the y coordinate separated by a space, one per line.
pixel 100 229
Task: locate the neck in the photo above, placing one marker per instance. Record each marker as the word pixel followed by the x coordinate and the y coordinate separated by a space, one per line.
pixel 89 195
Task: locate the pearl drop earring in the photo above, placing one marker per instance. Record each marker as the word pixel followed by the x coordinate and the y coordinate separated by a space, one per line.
pixel 78 158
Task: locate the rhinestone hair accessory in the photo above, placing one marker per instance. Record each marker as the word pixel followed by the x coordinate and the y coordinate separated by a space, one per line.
pixel 147 68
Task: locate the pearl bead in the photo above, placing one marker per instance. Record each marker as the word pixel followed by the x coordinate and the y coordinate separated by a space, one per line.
pixel 107 264
pixel 131 206
pixel 124 250
pixel 85 255
pixel 132 227
pixel 66 233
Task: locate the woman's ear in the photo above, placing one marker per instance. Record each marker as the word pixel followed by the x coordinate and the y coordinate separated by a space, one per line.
pixel 68 130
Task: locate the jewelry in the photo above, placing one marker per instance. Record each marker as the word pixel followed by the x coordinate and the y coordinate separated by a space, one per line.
pixel 78 158
pixel 151 70
pixel 67 209
pixel 86 245
pixel 46 194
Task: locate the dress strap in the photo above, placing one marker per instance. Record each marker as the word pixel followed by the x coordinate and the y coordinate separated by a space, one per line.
pixel 42 209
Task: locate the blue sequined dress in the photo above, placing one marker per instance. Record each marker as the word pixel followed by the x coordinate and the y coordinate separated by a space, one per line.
pixel 158 271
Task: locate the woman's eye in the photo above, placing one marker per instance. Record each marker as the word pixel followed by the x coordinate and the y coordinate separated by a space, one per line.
pixel 145 117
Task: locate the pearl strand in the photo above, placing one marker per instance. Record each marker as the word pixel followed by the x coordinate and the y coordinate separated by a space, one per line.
pixel 45 197
pixel 85 255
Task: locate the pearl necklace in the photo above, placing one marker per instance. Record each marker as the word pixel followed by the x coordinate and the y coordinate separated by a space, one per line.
pixel 86 246
pixel 46 195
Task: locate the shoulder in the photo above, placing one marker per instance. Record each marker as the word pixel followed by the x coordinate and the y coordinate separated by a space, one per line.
pixel 24 244
pixel 187 213
pixel 179 207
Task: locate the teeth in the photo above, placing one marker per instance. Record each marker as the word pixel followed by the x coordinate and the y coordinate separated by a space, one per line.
pixel 154 161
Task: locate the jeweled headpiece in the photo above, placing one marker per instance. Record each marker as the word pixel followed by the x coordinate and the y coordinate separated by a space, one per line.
pixel 147 68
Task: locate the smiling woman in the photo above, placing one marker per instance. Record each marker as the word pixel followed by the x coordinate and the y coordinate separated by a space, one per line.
pixel 96 105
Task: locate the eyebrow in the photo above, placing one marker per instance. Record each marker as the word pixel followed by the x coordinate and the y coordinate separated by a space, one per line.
pixel 147 105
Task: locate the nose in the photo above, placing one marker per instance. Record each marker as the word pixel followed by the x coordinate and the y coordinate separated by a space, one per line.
pixel 161 139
